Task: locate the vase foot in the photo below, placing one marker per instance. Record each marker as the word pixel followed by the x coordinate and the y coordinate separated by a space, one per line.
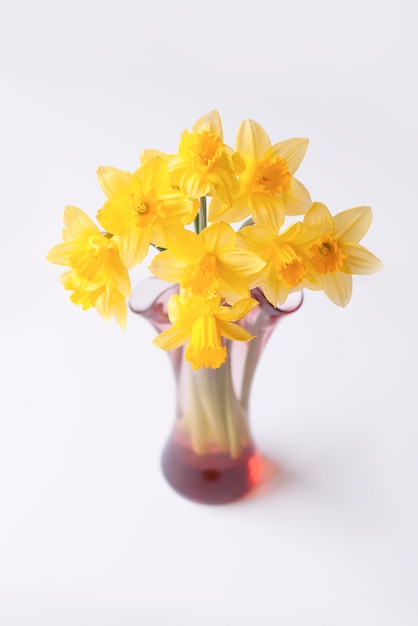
pixel 213 478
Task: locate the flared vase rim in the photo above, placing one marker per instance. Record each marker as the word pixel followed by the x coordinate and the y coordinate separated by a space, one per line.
pixel 142 300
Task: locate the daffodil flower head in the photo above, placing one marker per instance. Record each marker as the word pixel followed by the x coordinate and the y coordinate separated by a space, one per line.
pixel 337 254
pixel 201 323
pixel 141 207
pixel 268 190
pixel 203 165
pixel 97 276
pixel 286 269
pixel 163 204
pixel 209 263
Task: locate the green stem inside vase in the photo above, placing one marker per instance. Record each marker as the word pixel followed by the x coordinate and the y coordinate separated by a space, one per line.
pixel 214 416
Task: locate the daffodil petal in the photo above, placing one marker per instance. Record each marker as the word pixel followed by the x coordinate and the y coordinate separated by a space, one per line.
pixel 118 309
pixel 219 210
pixel 268 211
pixel 232 331
pixel 338 287
pixel 318 214
pixel 223 179
pixel 114 181
pixel 241 261
pixel 257 237
pixel 149 153
pixel 296 199
pixel 78 223
pixel 218 236
pixel 283 293
pixel 119 275
pixel 176 204
pixel 173 337
pixel 195 185
pixel 61 253
pixel 353 224
pixel 134 245
pixel 102 306
pixel 111 216
pixel 210 122
pixel 153 173
pixel 237 311
pixel 291 150
pixel 271 289
pixel 359 260
pixel 216 209
pixel 185 244
pixel 307 234
pixel 252 138
pixel 167 267
pixel 232 286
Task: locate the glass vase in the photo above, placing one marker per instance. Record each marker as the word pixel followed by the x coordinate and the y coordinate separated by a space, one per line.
pixel 210 456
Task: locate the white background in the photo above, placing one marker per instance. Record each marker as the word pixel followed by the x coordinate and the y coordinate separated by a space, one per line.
pixel 90 534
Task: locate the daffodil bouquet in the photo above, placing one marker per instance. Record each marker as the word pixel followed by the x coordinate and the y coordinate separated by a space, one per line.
pixel 216 251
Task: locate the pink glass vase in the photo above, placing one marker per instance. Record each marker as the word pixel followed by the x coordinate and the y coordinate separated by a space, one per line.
pixel 210 456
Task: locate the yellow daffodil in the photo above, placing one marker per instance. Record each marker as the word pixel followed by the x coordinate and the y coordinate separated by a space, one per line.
pixel 337 254
pixel 202 323
pixel 203 165
pixel 105 299
pixel 141 207
pixel 268 190
pixel 215 266
pixel 97 276
pixel 286 269
pixel 209 263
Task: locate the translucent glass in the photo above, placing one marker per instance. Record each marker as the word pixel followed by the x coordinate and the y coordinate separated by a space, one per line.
pixel 210 455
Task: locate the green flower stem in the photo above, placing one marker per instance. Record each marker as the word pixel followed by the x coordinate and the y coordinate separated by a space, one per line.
pixel 214 416
pixel 252 359
pixel 201 220
pixel 212 390
pixel 195 423
pixel 232 417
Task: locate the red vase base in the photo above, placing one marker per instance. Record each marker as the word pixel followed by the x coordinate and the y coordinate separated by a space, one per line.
pixel 215 478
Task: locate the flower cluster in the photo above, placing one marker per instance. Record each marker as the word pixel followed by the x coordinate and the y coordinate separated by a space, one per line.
pixel 163 204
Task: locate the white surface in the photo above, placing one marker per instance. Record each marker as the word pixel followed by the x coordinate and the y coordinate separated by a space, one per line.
pixel 90 534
